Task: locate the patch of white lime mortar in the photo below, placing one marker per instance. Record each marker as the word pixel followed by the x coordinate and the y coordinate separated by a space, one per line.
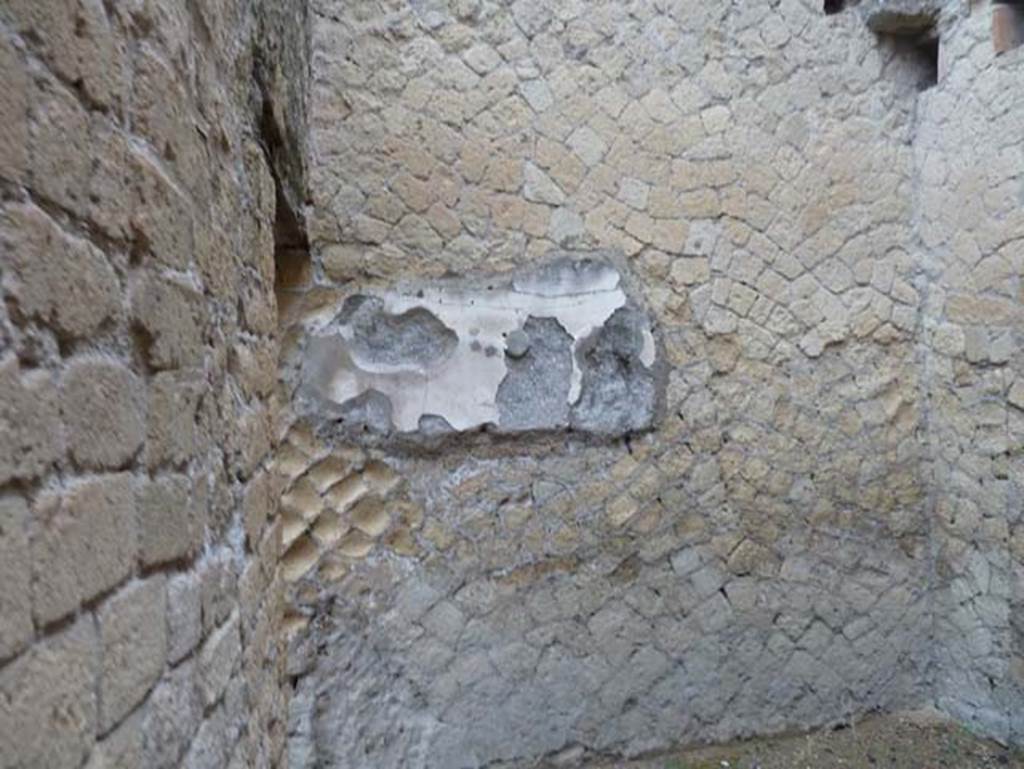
pixel 463 387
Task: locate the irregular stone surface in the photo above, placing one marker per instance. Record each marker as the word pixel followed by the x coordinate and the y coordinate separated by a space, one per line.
pixel 151 163
pixel 101 402
pixel 48 710
pixel 762 558
pixel 85 544
pixel 534 395
pixel 133 635
pixel 439 351
pixel 900 17
pixel 15 574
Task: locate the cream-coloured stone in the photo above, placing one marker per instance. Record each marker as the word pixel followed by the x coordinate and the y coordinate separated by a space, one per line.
pixel 14 106
pixel 29 421
pixel 299 559
pixel 15 575
pixel 633 193
pixel 303 500
pixel 217 660
pixel 566 227
pixel 123 748
pixel 103 409
pixel 588 145
pixel 56 277
pixel 539 188
pixel 687 271
pixel 701 239
pixel 171 417
pixel 170 313
pixel 716 119
pixel 328 529
pixel 967 309
pixel 168 524
pixel 133 638
pixel 481 58
pixel 949 339
pixel 347 492
pixel 1016 394
pixel 184 620
pixel 60 156
pixel 537 94
pixel 329 471
pixel 292 527
pixel 48 709
pixel 355 544
pixel 370 516
pixel 85 543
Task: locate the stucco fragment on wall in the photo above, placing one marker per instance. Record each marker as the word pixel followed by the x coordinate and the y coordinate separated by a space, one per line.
pixel 551 347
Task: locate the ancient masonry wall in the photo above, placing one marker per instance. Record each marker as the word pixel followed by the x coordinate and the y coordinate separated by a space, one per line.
pixel 768 556
pixel 140 609
pixel 969 157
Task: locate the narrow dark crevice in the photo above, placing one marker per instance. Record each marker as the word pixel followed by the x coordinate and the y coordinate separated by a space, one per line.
pixel 292 263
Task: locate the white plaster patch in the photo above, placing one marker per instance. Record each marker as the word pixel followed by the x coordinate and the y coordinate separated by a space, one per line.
pixel 462 385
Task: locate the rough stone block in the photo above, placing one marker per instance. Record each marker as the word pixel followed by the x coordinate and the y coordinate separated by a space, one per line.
pixel 900 17
pixel 48 701
pixel 161 219
pixel 15 576
pixel 133 634
pixel 1007 26
pixel 169 526
pixel 209 749
pixel 1016 394
pixel 85 543
pixel 171 420
pixel 172 716
pixel 184 616
pixel 29 422
pixel 218 589
pixel 14 108
pixel 122 748
pixel 170 313
pixel 60 147
pixel 110 195
pixel 102 403
pixel 258 505
pixel 159 111
pixel 59 279
pixel 217 660
pixel 78 41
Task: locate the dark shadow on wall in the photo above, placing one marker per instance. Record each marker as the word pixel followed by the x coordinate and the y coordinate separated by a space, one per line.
pixel 292 264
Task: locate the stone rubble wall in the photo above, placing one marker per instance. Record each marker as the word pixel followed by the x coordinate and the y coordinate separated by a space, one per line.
pixel 140 611
pixel 763 558
pixel 970 220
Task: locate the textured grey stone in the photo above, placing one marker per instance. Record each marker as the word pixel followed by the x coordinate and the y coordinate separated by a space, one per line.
pixel 533 395
pixel 172 716
pixel 415 337
pixel 619 393
pixel 133 633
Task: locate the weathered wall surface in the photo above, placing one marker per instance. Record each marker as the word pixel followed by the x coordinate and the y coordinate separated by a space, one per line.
pixel 758 560
pixel 970 163
pixel 140 612
pixel 555 347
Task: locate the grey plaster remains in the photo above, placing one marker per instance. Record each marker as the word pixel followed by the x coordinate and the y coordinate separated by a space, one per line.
pixel 552 347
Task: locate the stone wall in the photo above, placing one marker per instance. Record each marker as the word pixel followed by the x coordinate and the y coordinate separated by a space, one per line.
pixel 759 560
pixel 769 479
pixel 970 222
pixel 140 612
